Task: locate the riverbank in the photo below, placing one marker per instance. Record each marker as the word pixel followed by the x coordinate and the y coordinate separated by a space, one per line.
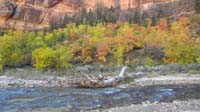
pixel 140 76
pixel 64 81
pixel 175 106
pixel 33 82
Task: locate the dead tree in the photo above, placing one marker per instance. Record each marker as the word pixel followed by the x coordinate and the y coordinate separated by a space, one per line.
pixel 100 81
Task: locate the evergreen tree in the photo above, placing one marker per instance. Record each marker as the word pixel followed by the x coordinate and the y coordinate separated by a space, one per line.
pixel 160 13
pixel 83 16
pixel 91 18
pixel 144 21
pixel 99 13
pixel 66 20
pixel 153 21
pixel 136 18
pixel 197 6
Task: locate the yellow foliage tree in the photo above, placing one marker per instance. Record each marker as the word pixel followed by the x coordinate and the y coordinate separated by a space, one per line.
pixel 63 58
pixel 180 47
pixel 119 54
pixel 44 57
pixel 1 65
pixel 10 51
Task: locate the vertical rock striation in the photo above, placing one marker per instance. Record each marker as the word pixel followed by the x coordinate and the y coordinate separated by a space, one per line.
pixel 38 14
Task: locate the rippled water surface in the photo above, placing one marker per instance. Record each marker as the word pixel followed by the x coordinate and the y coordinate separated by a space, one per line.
pixel 17 99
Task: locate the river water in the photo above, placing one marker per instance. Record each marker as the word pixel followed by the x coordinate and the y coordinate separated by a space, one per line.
pixel 22 99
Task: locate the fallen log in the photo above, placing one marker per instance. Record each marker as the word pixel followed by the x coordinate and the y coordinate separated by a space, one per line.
pixel 100 81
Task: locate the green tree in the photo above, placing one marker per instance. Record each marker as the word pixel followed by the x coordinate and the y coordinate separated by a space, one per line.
pixel 99 13
pixel 63 57
pixel 197 6
pixel 154 21
pixel 10 51
pixel 91 18
pixel 84 16
pixel 144 19
pixel 120 54
pixel 31 43
pixel 136 17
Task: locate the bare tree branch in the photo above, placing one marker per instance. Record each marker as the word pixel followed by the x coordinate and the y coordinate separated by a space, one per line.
pixel 100 81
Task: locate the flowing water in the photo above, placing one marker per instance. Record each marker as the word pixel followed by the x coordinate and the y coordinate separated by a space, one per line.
pixel 18 99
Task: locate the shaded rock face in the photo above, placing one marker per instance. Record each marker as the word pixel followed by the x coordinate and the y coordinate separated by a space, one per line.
pixel 91 4
pixel 6 9
pixel 73 3
pixel 28 14
pixel 38 14
pixel 45 3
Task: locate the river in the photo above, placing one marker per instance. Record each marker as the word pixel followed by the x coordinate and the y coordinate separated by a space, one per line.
pixel 77 99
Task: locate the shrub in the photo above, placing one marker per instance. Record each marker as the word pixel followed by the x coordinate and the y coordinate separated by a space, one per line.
pixel 149 61
pixel 10 51
pixel 194 18
pixel 198 60
pixel 102 52
pixel 119 54
pixel 1 65
pixel 29 42
pixel 63 58
pixel 165 42
pixel 50 39
pixel 97 33
pixel 86 54
pixel 58 35
pixel 176 42
pixel 44 57
pixel 155 52
pixel 180 47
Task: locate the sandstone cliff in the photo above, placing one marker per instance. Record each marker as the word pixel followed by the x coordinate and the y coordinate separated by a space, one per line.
pixel 38 14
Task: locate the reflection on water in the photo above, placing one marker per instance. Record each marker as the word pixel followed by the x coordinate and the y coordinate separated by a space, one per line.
pixel 83 99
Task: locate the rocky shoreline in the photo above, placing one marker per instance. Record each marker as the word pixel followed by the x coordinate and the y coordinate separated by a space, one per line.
pixel 175 106
pixel 178 79
pixel 6 82
pixel 141 76
pixel 64 81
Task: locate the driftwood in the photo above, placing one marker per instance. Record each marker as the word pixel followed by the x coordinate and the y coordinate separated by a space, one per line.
pixel 100 81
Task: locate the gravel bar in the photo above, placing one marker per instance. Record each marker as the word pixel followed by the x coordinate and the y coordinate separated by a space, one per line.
pixel 64 81
pixel 175 106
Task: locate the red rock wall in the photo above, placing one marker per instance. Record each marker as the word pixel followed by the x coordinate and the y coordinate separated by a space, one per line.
pixel 30 14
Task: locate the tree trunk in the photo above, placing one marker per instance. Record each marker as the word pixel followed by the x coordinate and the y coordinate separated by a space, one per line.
pixel 101 82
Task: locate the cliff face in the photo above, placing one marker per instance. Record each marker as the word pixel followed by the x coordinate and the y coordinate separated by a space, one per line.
pixel 38 14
